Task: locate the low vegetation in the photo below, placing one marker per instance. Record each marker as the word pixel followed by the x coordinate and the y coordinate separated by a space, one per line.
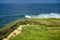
pixel 38 33
pixel 44 29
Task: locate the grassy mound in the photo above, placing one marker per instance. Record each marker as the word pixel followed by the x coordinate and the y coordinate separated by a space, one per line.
pixel 38 33
pixel 40 29
pixel 44 29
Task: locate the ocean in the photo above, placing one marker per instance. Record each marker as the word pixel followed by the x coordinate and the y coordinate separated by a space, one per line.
pixel 12 11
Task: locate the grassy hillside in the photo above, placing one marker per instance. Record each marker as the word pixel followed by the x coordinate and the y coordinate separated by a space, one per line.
pixel 39 29
pixel 38 33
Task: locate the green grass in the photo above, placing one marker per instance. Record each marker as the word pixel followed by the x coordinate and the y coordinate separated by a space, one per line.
pixel 44 29
pixel 38 33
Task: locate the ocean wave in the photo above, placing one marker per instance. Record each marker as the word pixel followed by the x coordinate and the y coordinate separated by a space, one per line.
pixel 50 15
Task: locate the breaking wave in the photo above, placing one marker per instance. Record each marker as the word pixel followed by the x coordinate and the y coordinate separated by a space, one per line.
pixel 51 15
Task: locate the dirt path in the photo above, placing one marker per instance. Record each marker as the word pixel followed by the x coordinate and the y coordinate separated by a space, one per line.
pixel 14 33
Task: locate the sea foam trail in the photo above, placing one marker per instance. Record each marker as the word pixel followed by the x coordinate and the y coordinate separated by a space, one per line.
pixel 27 16
pixel 51 15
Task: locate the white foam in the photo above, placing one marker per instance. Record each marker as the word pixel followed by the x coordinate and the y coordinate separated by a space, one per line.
pixel 27 16
pixel 51 15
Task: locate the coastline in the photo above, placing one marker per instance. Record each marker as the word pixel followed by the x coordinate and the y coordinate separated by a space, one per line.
pixel 36 21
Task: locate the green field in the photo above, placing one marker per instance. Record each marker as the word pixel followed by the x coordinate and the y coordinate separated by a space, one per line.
pixel 38 33
pixel 38 29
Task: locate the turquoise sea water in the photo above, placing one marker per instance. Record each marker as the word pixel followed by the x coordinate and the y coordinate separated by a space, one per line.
pixel 12 11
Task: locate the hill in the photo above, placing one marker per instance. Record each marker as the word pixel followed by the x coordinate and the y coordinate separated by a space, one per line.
pixel 38 29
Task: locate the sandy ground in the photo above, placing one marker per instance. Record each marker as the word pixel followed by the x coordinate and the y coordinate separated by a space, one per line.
pixel 14 33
